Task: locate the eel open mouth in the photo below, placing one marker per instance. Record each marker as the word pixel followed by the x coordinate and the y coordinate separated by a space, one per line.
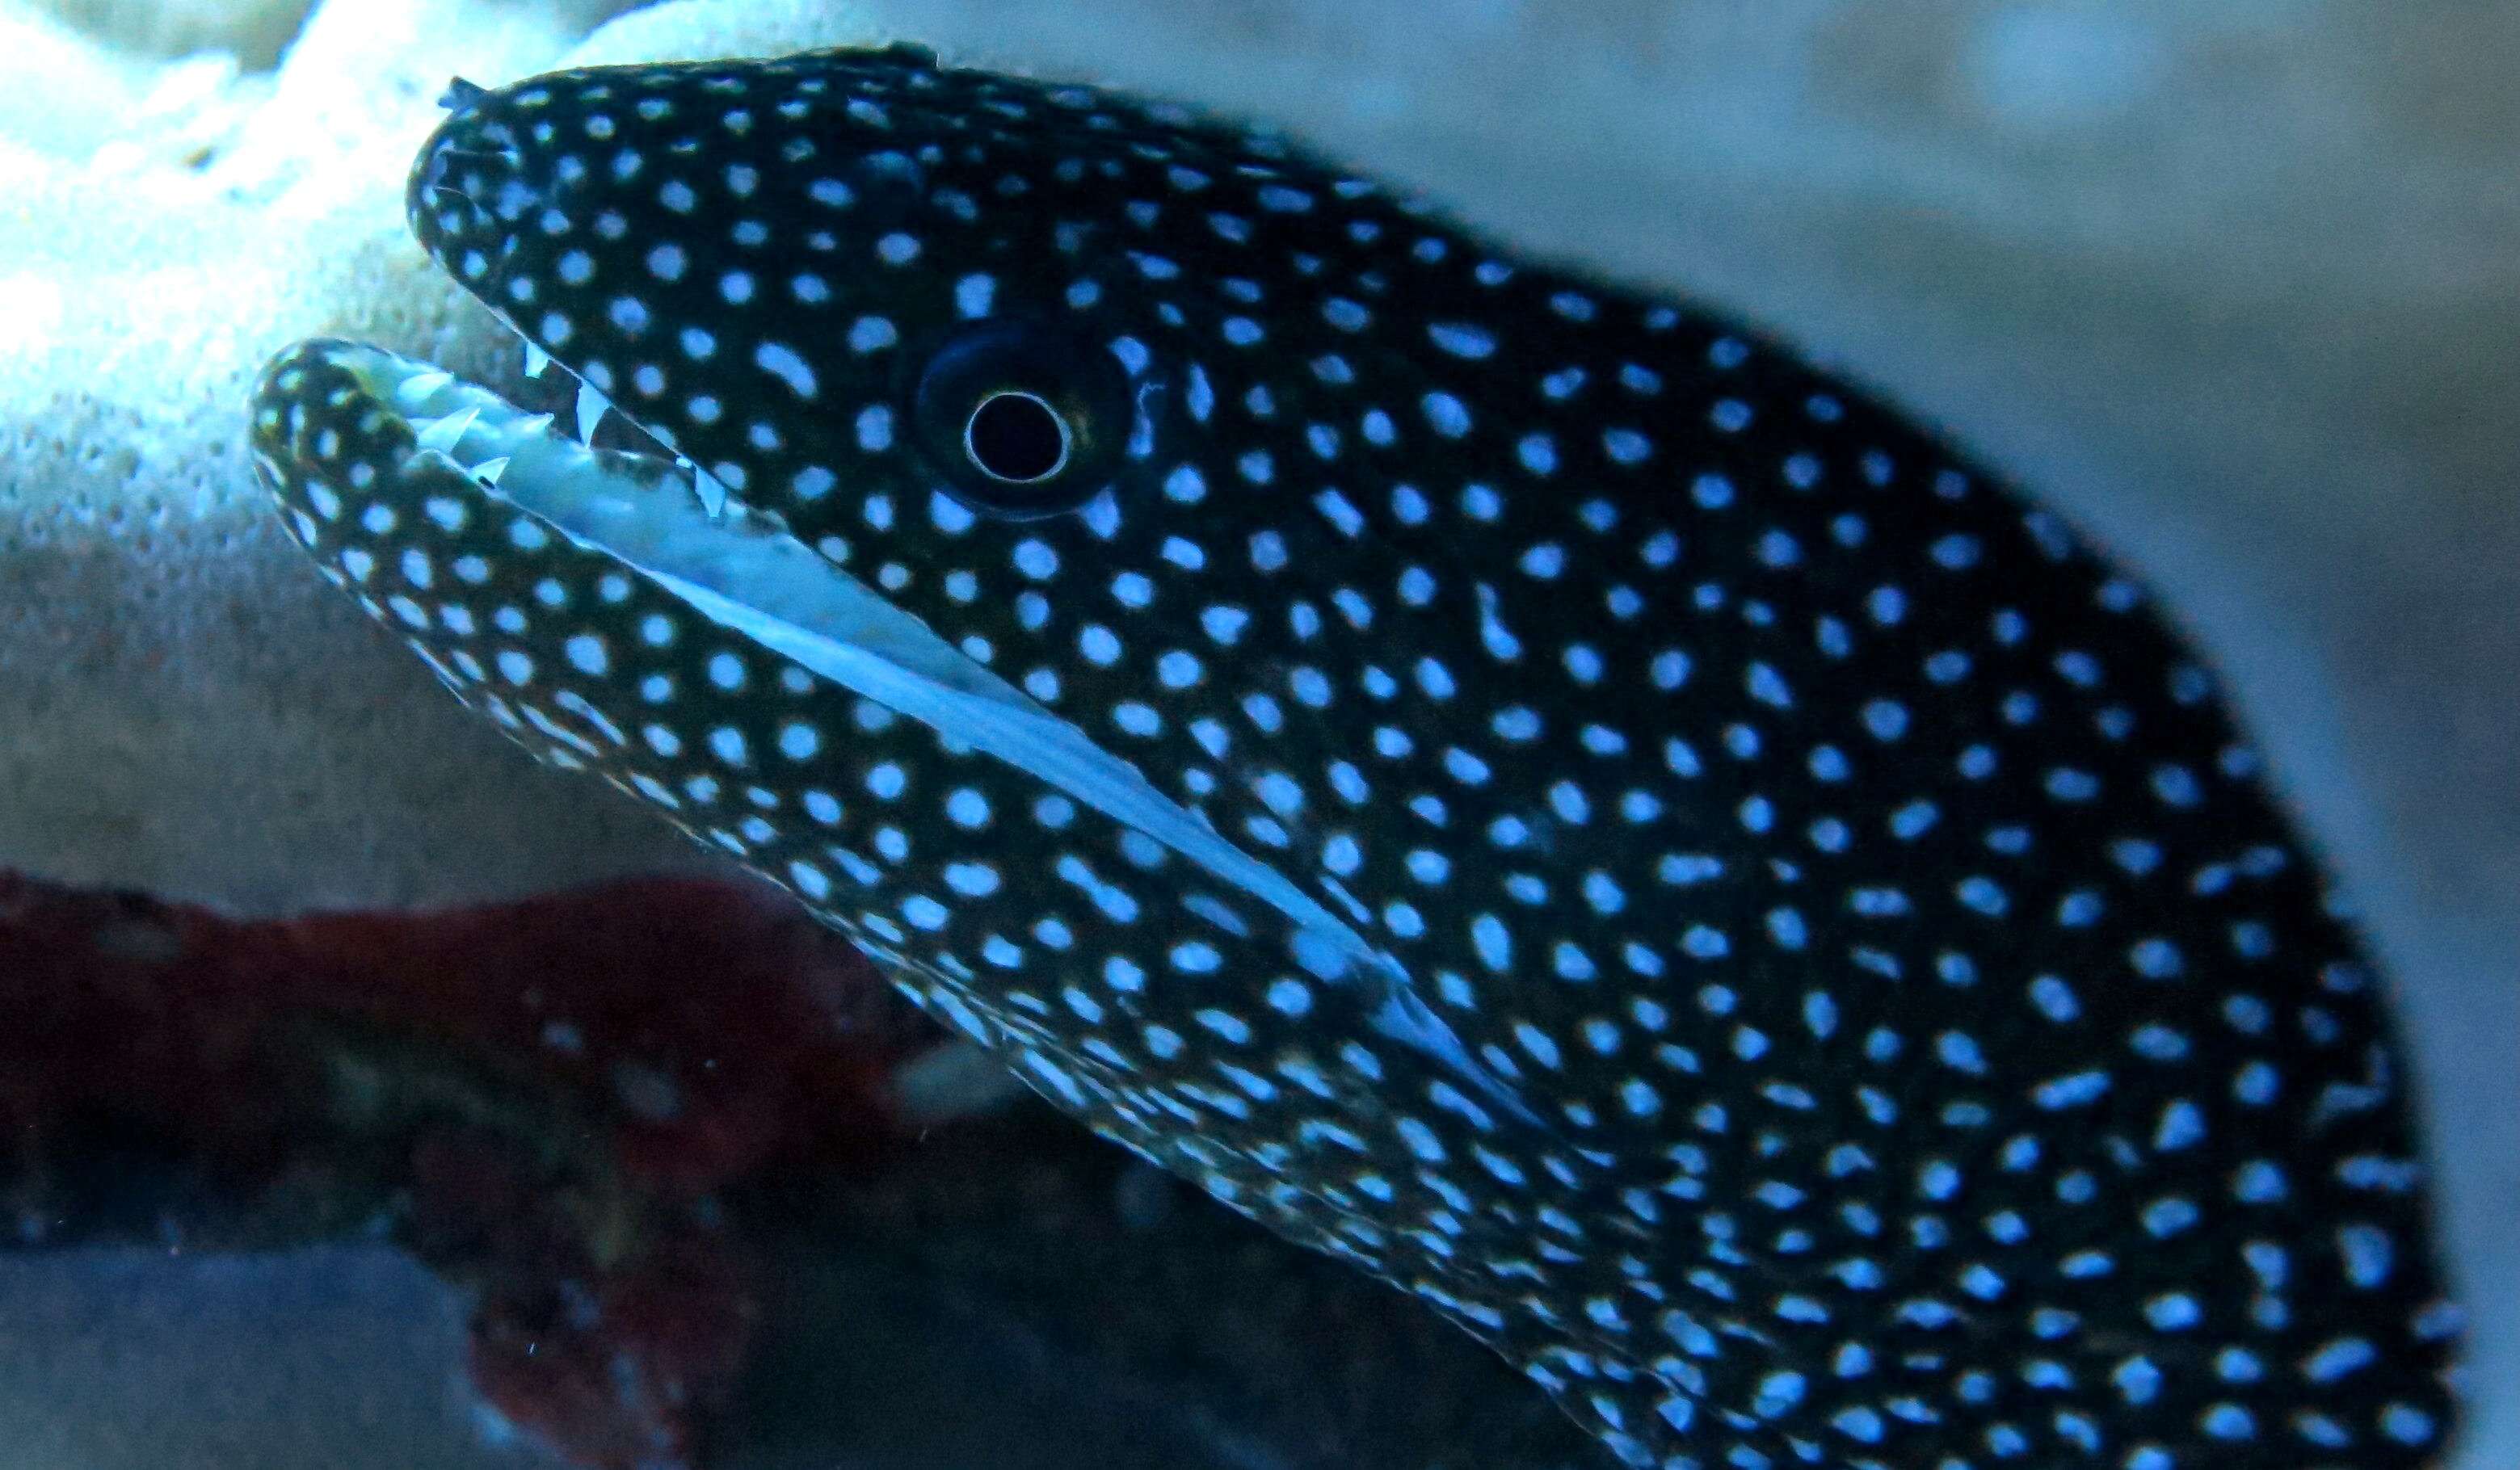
pixel 343 433
pixel 360 416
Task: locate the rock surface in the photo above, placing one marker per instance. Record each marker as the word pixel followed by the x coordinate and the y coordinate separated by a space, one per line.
pixel 2237 286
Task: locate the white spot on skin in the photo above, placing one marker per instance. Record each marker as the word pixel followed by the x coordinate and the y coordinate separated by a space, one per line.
pixel 871 333
pixel 1462 339
pixel 782 361
pixel 1445 415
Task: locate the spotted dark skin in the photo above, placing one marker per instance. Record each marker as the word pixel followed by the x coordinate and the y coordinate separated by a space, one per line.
pixel 1642 844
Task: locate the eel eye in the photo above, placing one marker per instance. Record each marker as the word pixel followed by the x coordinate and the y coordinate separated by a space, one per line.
pixel 1016 438
pixel 1020 419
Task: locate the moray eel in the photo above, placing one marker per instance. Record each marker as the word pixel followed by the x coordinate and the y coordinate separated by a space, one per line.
pixel 1528 788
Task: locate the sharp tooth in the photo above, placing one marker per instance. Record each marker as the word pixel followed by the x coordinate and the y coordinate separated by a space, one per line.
pixel 713 493
pixel 537 359
pixel 590 412
pixel 415 390
pixel 441 434
pixel 489 471
pixel 527 429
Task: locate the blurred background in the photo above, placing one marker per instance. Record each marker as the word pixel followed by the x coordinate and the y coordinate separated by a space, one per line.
pixel 2234 283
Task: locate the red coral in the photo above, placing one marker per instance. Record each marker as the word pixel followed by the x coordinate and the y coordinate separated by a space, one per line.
pixel 542 1098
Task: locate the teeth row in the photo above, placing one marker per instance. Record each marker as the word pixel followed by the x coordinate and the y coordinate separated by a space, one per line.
pixel 445 433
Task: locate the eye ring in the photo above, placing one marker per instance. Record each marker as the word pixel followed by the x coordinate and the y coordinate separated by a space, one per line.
pixel 1016 437
pixel 1020 419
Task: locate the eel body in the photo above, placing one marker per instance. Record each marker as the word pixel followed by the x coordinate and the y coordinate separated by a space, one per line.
pixel 1525 787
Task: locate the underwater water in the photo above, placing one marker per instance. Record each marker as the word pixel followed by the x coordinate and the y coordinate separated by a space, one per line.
pixel 521 1153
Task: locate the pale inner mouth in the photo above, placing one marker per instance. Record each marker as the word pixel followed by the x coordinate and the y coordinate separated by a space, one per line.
pixel 740 568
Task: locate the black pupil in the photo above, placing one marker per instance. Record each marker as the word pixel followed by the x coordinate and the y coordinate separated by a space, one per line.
pixel 1016 436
